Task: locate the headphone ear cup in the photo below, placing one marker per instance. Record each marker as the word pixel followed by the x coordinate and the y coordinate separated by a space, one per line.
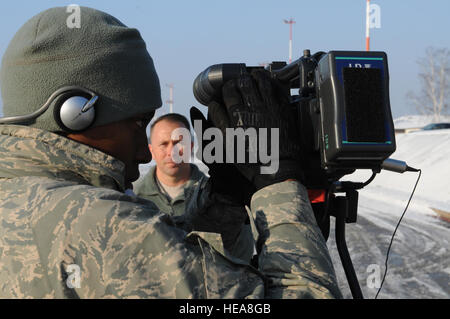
pixel 68 114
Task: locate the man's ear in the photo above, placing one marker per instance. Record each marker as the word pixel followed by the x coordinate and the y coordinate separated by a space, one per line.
pixel 150 148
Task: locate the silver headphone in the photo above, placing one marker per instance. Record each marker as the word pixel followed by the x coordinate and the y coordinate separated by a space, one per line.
pixel 74 110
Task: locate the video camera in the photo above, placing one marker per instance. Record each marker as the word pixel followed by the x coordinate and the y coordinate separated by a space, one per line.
pixel 342 107
pixel 344 123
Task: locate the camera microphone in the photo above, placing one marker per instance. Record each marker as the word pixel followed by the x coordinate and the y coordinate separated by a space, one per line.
pixel 397 166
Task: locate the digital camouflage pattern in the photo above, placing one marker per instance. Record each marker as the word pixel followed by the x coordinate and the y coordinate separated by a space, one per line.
pixel 62 203
pixel 196 208
pixel 148 188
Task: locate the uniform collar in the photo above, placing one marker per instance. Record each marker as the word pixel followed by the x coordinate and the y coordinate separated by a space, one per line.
pixel 196 175
pixel 26 151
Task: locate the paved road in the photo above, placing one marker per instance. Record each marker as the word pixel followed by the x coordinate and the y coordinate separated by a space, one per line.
pixel 419 261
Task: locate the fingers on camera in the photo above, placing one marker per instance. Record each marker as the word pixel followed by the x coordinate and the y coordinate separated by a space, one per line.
pixel 251 93
pixel 231 94
pixel 218 115
pixel 264 84
pixel 196 114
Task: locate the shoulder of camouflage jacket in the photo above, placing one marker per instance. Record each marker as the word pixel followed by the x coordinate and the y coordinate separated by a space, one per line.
pixel 26 151
pixel 286 223
pixel 123 246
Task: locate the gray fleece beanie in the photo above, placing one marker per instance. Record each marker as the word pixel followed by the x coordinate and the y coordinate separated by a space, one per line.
pixel 103 55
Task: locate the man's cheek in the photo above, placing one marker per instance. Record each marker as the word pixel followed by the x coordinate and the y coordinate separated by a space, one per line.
pixel 179 155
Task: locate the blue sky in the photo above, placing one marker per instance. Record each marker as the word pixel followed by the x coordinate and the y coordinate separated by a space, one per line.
pixel 185 37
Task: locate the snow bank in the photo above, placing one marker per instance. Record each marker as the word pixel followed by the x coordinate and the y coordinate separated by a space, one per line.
pixel 417 121
pixel 427 150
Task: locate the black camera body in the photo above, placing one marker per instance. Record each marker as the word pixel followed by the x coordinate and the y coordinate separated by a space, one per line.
pixel 342 106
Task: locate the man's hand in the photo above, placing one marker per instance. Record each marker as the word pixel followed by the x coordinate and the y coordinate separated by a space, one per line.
pixel 225 179
pixel 256 101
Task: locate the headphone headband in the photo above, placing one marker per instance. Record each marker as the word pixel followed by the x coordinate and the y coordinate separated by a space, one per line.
pixel 78 123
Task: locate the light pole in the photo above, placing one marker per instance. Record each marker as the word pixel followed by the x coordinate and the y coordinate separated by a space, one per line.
pixel 170 100
pixel 368 26
pixel 290 22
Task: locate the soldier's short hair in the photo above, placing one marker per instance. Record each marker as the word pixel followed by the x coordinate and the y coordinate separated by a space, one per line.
pixel 171 117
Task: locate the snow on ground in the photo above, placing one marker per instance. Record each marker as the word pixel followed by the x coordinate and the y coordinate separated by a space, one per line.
pixel 416 121
pixel 419 262
pixel 427 150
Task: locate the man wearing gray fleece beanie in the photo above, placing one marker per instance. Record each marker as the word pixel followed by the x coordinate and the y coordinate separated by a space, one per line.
pixel 77 102
pixel 103 56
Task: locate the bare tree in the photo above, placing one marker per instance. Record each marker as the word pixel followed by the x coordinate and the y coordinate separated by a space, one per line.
pixel 433 98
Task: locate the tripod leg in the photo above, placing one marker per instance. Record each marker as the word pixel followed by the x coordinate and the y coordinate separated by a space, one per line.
pixel 341 213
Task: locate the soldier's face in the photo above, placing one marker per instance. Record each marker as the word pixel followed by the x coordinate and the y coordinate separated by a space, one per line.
pixel 164 144
pixel 132 146
pixel 125 140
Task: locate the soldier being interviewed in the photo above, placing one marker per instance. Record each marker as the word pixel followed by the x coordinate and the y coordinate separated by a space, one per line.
pixel 77 102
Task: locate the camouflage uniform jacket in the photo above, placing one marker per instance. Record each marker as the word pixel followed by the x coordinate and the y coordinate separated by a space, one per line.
pixel 62 205
pixel 149 189
pixel 196 196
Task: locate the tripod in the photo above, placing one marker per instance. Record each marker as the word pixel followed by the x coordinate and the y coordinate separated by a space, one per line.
pixel 344 209
pixel 346 212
